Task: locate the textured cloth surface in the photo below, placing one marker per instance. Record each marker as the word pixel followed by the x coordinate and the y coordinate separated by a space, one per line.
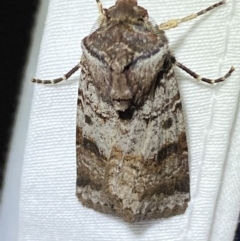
pixel 210 45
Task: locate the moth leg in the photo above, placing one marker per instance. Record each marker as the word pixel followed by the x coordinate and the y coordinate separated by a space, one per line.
pixel 199 78
pixel 58 80
pixel 173 23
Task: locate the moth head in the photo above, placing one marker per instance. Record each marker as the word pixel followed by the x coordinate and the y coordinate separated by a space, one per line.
pixel 125 9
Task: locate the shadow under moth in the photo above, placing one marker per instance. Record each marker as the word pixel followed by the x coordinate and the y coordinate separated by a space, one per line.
pixel 131 146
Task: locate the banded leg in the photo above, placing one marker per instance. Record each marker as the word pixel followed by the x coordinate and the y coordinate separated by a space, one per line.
pixel 58 80
pixel 173 23
pixel 199 78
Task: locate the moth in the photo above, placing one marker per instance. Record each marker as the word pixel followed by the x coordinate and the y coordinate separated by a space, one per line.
pixel 131 145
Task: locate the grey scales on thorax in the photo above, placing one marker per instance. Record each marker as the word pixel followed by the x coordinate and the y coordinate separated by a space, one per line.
pixel 132 153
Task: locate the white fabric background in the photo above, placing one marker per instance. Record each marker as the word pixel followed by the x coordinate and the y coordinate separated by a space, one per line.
pixel 209 45
pixel 9 206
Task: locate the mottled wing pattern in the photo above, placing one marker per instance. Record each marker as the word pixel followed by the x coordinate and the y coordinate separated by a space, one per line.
pixel 135 168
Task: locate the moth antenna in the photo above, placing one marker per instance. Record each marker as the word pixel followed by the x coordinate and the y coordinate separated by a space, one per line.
pixel 100 8
pixel 173 23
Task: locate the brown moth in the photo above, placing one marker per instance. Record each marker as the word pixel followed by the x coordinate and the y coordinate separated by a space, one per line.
pixel 132 153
